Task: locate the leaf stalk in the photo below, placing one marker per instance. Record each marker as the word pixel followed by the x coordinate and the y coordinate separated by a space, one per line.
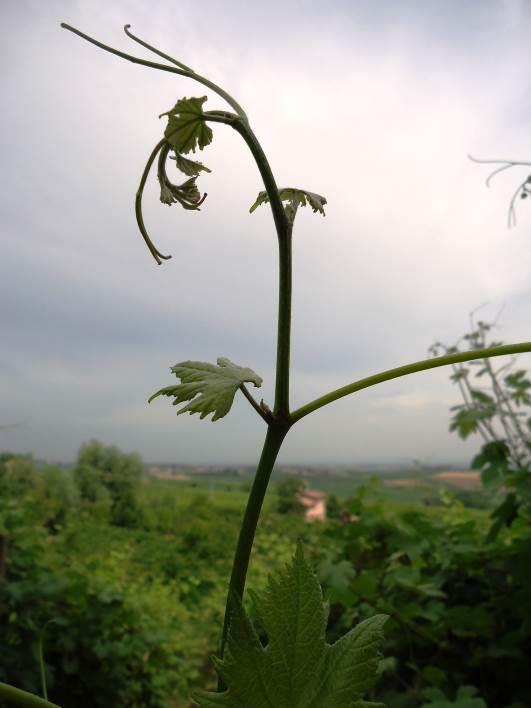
pixel 261 412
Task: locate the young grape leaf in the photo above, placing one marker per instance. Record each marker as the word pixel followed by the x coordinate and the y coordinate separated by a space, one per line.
pixel 187 129
pixel 186 194
pixel 295 198
pixel 209 388
pixel 297 668
pixel 191 168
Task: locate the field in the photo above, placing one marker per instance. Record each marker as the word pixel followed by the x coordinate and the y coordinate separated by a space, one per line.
pixel 342 482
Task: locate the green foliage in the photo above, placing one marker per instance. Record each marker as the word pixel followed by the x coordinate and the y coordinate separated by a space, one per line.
pixel 465 698
pixel 55 497
pixel 288 492
pixel 505 426
pixel 209 388
pixel 493 461
pixel 295 198
pixel 333 507
pixel 457 601
pixel 126 600
pixel 467 419
pixel 17 474
pixel 187 129
pixel 90 484
pixel 104 472
pixel 123 641
pixel 297 667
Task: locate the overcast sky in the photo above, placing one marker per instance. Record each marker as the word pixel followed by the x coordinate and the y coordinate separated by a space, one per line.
pixel 373 104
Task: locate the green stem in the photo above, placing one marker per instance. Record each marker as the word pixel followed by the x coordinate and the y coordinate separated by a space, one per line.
pixel 272 444
pixel 406 370
pixel 281 408
pixel 284 231
pixel 18 697
pixel 277 429
pixel 279 215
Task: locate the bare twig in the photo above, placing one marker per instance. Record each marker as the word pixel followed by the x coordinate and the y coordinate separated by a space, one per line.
pixel 523 190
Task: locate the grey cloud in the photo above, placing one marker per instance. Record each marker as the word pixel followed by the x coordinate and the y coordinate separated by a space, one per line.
pixel 376 110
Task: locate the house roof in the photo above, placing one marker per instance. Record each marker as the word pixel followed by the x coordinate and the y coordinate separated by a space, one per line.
pixel 311 497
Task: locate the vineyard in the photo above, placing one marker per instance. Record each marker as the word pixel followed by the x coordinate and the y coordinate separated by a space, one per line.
pixel 127 608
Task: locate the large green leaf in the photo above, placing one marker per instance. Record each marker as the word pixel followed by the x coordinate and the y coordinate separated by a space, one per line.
pixel 209 388
pixel 187 129
pixel 297 668
pixel 294 198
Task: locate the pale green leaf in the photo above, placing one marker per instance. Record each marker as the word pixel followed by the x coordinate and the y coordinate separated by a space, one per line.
pixel 297 668
pixel 187 129
pixel 190 168
pixel 294 198
pixel 209 388
pixel 186 194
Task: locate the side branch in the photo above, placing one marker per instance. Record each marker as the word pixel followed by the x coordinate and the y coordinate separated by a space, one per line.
pixel 523 190
pixel 405 371
pixel 283 229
